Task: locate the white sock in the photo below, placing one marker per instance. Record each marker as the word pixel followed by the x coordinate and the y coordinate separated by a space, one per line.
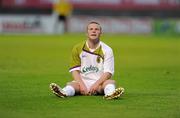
pixel 69 90
pixel 109 89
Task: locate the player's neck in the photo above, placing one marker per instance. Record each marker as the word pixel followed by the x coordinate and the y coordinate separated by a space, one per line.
pixel 93 44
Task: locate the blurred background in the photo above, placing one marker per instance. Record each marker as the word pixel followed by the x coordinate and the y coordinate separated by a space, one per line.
pixel 144 36
pixel 71 16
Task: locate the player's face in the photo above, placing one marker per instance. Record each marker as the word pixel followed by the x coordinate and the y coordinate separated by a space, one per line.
pixel 93 31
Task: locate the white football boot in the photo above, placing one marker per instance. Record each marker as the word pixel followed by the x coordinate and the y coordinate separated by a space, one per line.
pixel 57 90
pixel 116 94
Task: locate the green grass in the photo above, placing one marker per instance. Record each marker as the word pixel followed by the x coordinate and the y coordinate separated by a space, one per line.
pixel 148 67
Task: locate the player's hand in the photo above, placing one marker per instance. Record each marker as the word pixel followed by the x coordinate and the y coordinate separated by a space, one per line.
pixel 94 89
pixel 83 89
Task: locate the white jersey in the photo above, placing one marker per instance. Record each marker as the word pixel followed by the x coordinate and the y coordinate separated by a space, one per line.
pixel 92 63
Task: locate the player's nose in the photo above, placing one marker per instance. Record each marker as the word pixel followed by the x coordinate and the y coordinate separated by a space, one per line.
pixel 94 31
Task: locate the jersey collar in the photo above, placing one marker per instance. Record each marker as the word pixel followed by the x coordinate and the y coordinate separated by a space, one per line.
pixel 92 50
pixel 97 51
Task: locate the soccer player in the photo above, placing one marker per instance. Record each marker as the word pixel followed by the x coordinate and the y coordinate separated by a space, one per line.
pixel 62 9
pixel 92 67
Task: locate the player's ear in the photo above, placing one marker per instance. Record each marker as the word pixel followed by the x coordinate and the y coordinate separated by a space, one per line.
pixel 101 30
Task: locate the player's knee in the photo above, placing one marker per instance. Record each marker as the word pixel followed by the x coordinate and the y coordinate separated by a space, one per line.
pixel 74 84
pixel 109 81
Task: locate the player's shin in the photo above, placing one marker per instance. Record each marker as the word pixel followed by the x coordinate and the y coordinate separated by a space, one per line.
pixel 109 89
pixel 69 90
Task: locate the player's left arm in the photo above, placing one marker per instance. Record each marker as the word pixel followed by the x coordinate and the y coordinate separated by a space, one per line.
pixel 108 71
pixel 105 76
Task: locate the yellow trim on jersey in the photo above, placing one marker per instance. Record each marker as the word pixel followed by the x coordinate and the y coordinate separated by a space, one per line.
pixel 75 60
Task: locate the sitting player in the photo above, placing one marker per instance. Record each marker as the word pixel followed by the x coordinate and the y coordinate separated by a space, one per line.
pixel 92 67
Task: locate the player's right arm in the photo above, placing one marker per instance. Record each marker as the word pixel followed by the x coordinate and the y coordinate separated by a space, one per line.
pixel 75 65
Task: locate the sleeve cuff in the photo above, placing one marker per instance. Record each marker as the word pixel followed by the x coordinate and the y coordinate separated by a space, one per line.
pixel 74 68
pixel 112 72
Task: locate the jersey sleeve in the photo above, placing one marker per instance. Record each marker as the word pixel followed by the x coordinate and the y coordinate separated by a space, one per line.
pixel 109 62
pixel 75 61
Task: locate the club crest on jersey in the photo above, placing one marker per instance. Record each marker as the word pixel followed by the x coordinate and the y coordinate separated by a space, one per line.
pixel 90 69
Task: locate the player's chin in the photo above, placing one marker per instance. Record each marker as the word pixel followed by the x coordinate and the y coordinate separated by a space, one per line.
pixel 93 37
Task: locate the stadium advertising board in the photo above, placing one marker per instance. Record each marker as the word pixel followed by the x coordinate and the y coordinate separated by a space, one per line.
pixel 26 24
pixel 177 28
pixel 168 26
pixel 112 25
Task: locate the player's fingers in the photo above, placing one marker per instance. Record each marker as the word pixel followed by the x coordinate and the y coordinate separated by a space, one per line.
pixel 92 91
pixel 89 93
pixel 82 92
pixel 86 92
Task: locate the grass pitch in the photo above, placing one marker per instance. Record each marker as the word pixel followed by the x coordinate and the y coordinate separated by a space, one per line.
pixel 148 67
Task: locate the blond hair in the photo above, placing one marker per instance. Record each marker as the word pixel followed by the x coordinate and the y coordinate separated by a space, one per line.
pixel 95 22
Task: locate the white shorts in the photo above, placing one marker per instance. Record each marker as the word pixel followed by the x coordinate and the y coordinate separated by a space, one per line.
pixel 88 83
